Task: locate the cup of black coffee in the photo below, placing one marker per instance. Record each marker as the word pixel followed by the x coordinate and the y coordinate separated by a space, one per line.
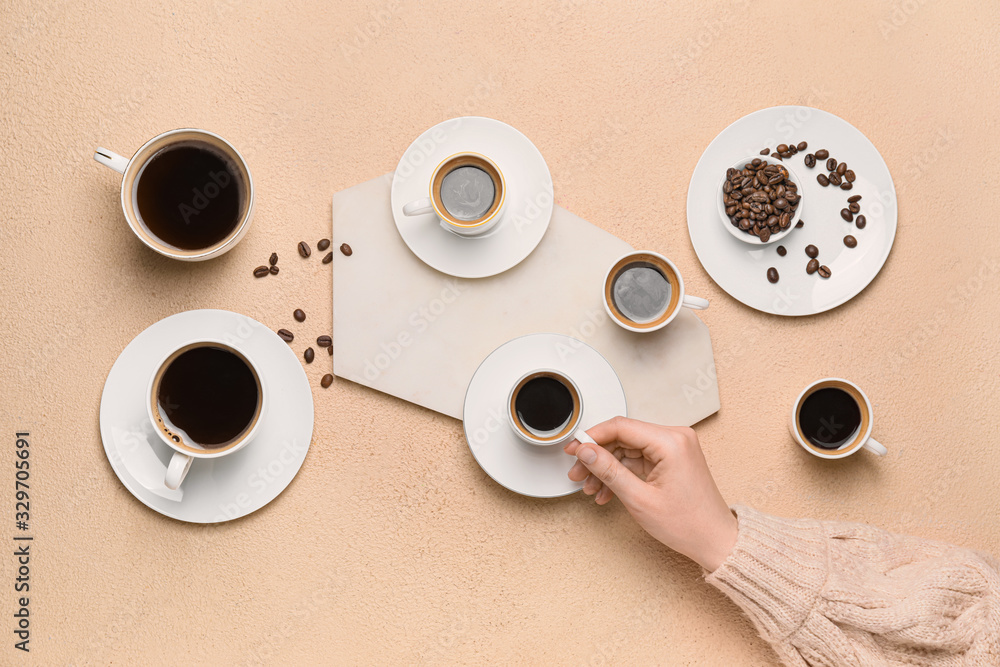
pixel 186 193
pixel 832 418
pixel 205 400
pixel 644 291
pixel 467 192
pixel 545 407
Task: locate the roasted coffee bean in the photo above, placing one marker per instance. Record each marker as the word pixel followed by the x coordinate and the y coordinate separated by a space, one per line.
pixel 326 381
pixel 824 271
pixel 324 341
pixel 850 241
pixel 765 151
pixel 812 266
pixel 772 275
pixel 842 168
pixel 846 185
pixel 854 208
pixel 822 180
pixel 776 178
pixel 764 235
pixel 755 162
pixel 286 335
pixel 853 198
pixel 261 271
pixel 274 259
pixel 782 148
pixel 822 154
pixel 309 355
pixel 800 223
pixel 861 222
pixel 846 214
pixel 776 155
pixel 781 251
pixel 274 270
pixel 786 154
pixel 323 244
pixel 304 249
pixel 780 203
pixel 812 251
pixel 785 220
pixel 329 350
pixel 849 176
pixel 802 146
pixel 346 249
pixel 727 187
pixel 831 165
pixel 810 160
pixel 835 178
pixel 328 257
pixel 299 315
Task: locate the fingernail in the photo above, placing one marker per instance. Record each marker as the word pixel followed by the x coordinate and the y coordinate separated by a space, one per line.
pixel 587 455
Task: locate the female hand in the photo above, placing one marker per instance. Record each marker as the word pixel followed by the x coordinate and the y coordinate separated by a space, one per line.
pixel 660 475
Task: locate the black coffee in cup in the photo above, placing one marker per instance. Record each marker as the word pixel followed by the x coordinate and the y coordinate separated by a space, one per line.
pixel 190 195
pixel 829 417
pixel 544 405
pixel 207 397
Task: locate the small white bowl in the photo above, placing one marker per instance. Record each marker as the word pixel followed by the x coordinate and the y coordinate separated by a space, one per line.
pixel 746 237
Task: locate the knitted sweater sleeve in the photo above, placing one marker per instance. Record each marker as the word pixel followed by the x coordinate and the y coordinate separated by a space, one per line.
pixel 833 593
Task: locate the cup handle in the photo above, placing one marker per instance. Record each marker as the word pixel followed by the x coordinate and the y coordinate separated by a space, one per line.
pixel 876 447
pixel 418 207
pixel 695 302
pixel 583 437
pixel 177 470
pixel 111 159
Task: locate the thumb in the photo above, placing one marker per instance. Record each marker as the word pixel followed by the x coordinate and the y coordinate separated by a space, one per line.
pixel 603 465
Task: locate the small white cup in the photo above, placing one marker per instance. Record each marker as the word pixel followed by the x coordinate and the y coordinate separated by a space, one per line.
pixel 132 168
pixel 862 435
pixel 561 436
pixel 185 454
pixel 434 204
pixel 668 270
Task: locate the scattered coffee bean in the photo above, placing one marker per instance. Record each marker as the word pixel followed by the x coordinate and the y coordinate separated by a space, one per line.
pixel 812 251
pixel 274 259
pixel 846 214
pixel 328 257
pixel 831 165
pixel 326 381
pixel 800 223
pixel 765 151
pixel 853 198
pixel 260 272
pixel 782 148
pixel 309 355
pixel 841 168
pixel 324 341
pixel 849 176
pixel 304 249
pixel 299 315
pixel 835 178
pixel 824 271
pixel 822 154
pixel 846 185
pixel 776 155
pixel 286 335
pixel 861 222
pixel 274 270
pixel 772 275
pixel 854 208
pixel 323 244
pixel 781 250
pixel 329 350
pixel 822 180
pixel 812 266
pixel 346 249
pixel 802 146
pixel 850 241
pixel 810 160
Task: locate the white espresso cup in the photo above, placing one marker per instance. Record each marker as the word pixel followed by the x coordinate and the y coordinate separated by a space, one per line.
pixel 472 211
pixel 644 291
pixel 185 449
pixel 559 434
pixel 132 170
pixel 859 436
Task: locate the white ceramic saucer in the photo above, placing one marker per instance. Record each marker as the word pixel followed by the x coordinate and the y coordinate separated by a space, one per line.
pixel 234 485
pixel 741 269
pixel 532 470
pixel 528 207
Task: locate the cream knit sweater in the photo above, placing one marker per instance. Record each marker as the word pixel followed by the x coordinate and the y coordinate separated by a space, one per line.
pixel 832 593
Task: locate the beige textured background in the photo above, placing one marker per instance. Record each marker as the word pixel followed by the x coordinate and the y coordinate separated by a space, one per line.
pixel 391 546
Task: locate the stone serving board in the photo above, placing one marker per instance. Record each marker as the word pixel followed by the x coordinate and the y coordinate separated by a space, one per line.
pixel 405 329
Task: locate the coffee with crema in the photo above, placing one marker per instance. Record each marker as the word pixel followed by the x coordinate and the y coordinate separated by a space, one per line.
pixel 829 417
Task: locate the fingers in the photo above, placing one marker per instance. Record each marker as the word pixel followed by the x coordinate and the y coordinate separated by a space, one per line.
pixel 606 468
pixel 652 440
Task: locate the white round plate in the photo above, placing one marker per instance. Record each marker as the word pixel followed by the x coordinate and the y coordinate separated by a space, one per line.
pixel 221 489
pixel 528 208
pixel 741 269
pixel 533 470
